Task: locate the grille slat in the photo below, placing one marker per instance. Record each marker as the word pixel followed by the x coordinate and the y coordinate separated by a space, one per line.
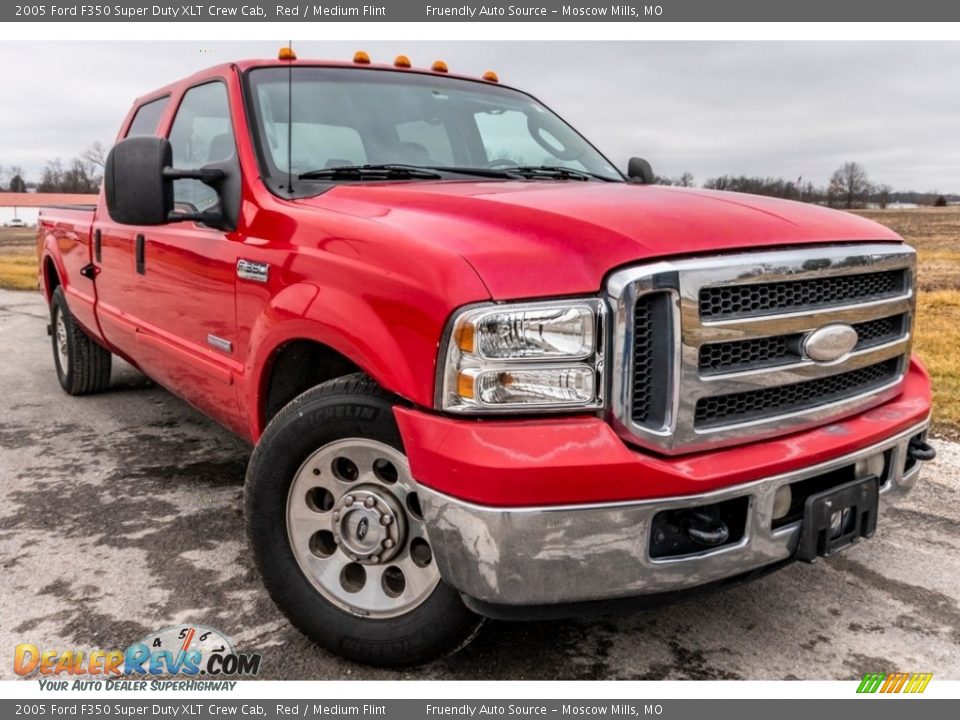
pixel 768 352
pixel 642 360
pixel 652 348
pixel 790 295
pixel 772 401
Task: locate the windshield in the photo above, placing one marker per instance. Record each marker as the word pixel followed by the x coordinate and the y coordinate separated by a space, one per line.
pixel 354 117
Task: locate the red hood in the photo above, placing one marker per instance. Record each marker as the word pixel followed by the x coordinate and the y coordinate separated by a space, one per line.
pixel 537 239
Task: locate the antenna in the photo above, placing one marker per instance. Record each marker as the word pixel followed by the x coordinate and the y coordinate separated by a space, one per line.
pixel 290 121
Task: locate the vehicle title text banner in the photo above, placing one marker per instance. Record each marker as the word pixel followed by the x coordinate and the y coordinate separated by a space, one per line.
pixel 452 11
pixel 200 707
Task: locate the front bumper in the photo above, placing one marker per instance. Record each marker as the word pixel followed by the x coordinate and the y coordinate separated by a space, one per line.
pixel 578 553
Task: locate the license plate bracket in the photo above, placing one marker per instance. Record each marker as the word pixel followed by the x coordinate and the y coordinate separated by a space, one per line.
pixel 837 518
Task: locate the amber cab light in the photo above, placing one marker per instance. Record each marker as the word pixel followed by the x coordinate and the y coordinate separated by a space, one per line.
pixel 439 66
pixel 361 58
pixel 286 53
pixel 491 76
pixel 401 61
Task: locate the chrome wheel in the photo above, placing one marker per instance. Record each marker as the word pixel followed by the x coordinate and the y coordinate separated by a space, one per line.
pixel 63 354
pixel 356 530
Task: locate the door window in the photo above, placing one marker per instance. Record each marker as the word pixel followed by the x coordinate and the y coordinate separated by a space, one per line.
pixel 201 134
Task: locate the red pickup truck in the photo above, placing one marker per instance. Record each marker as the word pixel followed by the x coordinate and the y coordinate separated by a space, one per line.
pixel 486 373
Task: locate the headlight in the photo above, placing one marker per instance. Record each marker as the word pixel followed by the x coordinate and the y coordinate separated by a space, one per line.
pixel 524 356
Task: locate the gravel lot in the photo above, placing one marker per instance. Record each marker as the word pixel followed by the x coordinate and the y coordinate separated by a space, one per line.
pixel 121 514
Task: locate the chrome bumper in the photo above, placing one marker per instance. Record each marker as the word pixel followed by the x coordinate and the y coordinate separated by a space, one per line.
pixel 567 554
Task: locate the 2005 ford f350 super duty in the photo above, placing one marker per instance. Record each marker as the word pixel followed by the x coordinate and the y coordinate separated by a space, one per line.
pixel 486 374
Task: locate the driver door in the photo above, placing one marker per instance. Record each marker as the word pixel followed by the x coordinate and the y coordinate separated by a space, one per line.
pixel 187 319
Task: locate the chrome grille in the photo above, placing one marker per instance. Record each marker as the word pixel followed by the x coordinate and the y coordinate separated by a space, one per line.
pixel 709 351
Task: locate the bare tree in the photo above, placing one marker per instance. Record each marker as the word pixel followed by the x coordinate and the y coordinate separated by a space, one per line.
pixel 770 186
pixel 882 193
pixel 51 179
pixel 96 154
pixel 849 186
pixel 81 176
pixel 685 180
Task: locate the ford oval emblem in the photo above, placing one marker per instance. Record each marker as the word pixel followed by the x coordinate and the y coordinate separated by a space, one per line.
pixel 830 343
pixel 362 528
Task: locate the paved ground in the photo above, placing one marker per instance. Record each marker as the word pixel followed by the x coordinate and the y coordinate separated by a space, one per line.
pixel 121 513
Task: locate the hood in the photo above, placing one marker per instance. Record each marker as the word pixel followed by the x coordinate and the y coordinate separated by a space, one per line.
pixel 539 239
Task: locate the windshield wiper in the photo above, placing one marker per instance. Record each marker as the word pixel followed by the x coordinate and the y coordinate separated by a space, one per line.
pixel 497 173
pixel 552 171
pixel 388 171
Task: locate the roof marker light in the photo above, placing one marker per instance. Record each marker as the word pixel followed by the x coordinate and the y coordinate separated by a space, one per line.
pixel 402 61
pixel 361 58
pixel 491 76
pixel 439 66
pixel 286 53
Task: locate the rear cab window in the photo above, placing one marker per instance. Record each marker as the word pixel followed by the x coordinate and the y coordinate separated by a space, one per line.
pixel 147 118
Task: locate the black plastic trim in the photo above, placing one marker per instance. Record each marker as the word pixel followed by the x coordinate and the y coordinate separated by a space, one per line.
pixel 141 254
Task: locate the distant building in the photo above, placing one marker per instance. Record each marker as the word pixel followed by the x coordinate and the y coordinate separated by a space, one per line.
pixel 26 206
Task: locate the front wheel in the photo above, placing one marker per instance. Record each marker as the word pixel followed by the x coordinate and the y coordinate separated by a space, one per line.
pixel 334 520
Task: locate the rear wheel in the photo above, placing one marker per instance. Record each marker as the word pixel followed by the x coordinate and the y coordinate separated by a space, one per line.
pixel 334 519
pixel 82 365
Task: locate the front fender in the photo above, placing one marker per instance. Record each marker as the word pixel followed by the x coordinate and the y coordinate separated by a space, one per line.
pixel 392 341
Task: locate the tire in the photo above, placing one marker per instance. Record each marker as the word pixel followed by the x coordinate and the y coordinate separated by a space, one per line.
pixel 331 456
pixel 83 366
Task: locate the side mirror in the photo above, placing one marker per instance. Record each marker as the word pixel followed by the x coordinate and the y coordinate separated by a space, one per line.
pixel 134 183
pixel 138 183
pixel 639 171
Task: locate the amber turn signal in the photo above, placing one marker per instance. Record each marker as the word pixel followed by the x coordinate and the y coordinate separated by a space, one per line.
pixel 465 336
pixel 465 386
pixel 361 58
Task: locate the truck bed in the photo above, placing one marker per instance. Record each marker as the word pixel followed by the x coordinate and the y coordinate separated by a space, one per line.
pixel 63 248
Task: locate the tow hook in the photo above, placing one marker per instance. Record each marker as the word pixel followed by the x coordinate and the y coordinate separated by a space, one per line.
pixel 919 449
pixel 706 530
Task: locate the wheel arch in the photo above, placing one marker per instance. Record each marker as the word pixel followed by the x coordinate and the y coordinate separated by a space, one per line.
pixel 331 334
pixel 52 276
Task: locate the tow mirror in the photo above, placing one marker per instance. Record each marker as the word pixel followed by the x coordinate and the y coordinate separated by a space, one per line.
pixel 134 183
pixel 138 183
pixel 640 171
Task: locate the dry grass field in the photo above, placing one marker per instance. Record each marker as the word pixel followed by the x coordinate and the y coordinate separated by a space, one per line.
pixel 18 258
pixel 935 232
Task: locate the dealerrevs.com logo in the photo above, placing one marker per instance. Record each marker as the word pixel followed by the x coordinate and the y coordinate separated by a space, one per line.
pixel 182 651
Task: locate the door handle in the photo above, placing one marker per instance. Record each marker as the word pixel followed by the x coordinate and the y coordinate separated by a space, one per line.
pixel 141 255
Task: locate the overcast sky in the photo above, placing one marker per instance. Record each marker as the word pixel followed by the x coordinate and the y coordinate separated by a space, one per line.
pixel 713 108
